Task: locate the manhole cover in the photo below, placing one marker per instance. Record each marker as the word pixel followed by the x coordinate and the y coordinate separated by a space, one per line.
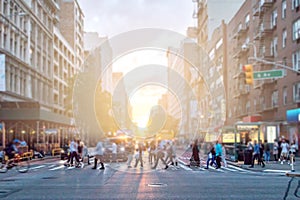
pixel 157 185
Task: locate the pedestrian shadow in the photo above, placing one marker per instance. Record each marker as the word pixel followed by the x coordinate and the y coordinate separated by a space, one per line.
pixel 289 189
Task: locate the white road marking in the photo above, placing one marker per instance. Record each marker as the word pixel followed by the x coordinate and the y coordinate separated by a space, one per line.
pixel 185 167
pixel 226 168
pixel 37 167
pixel 238 168
pixel 276 171
pixel 56 168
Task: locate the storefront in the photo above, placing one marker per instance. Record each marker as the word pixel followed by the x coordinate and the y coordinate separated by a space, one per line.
pixel 236 138
pixel 293 125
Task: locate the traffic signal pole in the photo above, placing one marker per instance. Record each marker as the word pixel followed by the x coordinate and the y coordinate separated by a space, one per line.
pixel 274 63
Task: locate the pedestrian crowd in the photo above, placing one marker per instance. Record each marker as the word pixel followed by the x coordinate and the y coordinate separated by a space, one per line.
pixel 282 150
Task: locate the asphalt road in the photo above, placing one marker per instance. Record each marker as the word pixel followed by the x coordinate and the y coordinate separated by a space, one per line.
pixel 49 179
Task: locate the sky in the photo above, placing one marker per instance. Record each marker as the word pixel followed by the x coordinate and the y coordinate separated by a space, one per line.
pixel 112 17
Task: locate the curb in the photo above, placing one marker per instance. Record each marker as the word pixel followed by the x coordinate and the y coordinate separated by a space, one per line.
pixel 292 174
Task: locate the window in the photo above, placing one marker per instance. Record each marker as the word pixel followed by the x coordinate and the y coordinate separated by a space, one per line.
pixel 284 35
pixel 283 9
pixel 296 92
pixel 247 20
pixel 247 107
pixel 274 19
pixel 295 4
pixel 296 29
pixel 284 95
pixel 296 60
pixel 274 47
pixel 275 98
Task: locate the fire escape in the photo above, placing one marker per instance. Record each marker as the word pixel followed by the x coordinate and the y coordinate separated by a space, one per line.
pixel 266 20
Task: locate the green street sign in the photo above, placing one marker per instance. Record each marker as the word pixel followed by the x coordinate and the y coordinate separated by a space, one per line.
pixel 268 74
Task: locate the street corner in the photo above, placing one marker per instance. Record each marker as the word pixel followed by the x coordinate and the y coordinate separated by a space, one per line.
pixel 292 174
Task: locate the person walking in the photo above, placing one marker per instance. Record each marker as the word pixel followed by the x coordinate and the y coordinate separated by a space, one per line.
pixel 218 148
pixel 152 152
pixel 195 153
pixel 279 148
pixel 256 155
pixel 139 157
pixel 114 152
pixel 275 150
pixel 224 155
pixel 211 157
pixel 160 154
pixel 261 151
pixel 284 151
pixel 130 150
pixel 74 153
pixel 99 156
pixel 267 151
pixel 169 151
pixel 292 153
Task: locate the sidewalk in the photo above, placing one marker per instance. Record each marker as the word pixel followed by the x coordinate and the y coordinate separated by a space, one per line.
pixel 269 167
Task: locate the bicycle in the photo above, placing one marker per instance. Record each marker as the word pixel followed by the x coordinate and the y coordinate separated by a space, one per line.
pixel 21 164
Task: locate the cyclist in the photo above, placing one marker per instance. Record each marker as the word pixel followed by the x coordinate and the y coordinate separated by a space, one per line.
pixel 11 150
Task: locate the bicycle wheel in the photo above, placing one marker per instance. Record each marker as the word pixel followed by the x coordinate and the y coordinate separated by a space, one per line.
pixel 22 166
pixel 3 168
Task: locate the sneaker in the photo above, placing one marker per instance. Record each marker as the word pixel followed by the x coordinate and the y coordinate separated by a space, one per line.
pixel 251 167
pixel 281 163
pixel 82 165
pixel 102 168
pixel 166 167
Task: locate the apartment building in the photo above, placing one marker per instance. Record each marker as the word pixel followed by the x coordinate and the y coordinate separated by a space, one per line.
pixel 264 34
pixel 37 61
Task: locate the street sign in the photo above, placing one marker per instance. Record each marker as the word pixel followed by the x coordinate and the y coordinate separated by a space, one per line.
pixel 268 74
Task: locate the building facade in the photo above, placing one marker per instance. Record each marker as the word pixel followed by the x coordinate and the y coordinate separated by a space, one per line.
pixel 37 61
pixel 264 35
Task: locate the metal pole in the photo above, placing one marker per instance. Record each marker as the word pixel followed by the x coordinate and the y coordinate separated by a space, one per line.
pixel 3 135
pixel 274 63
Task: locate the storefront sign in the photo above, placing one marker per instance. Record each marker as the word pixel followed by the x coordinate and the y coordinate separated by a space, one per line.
pixel 229 138
pixel 246 127
pixel 293 115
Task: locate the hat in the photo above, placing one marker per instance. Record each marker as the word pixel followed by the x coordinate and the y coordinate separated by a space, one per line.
pixel 16 141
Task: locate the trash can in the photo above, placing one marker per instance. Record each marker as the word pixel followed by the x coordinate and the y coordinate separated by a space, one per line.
pixel 247 157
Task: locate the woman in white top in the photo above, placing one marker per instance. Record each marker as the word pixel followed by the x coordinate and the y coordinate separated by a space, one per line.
pixel 284 151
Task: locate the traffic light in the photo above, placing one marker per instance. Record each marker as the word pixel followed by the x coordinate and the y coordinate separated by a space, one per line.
pixel 248 70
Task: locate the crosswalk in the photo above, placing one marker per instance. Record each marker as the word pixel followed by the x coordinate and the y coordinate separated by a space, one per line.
pixel 59 165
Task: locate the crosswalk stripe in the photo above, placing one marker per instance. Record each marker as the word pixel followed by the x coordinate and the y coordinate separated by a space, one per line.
pixel 226 168
pixel 37 167
pixel 185 167
pixel 238 168
pixel 56 168
pixel 276 171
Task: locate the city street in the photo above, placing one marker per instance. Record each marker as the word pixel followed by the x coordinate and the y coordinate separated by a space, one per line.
pixel 50 179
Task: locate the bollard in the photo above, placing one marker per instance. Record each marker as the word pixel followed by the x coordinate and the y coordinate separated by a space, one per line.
pixel 292 162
